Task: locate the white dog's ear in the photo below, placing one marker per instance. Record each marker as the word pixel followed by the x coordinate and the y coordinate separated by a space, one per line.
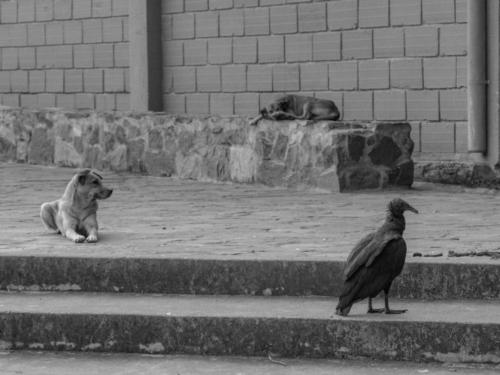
pixel 82 175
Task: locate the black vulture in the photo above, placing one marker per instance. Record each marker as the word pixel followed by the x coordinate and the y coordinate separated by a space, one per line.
pixel 375 261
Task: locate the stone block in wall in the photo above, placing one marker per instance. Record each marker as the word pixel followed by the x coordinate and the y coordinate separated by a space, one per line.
pixel 453 104
pixel 326 46
pixel 222 104
pixel 36 34
pixel 286 77
pixel 172 6
pixel 284 19
pixel 314 76
pixel 233 78
pixel 198 104
pixel 442 11
pixel 422 105
pixel 453 39
pixel 195 5
pixel 26 11
pixel 256 21
pixel 312 17
pixel 26 58
pixel 101 8
pixel 62 9
pixel 220 51
pixel 374 74
pixel 207 24
pixel 343 75
pixel 54 33
pixel 46 100
pixel 19 81
pixel 406 12
pixel 259 78
pixel 358 105
pixel 388 42
pixel 373 13
pixel 390 105
pixel 298 47
pixel 82 9
pixel 120 8
pixel 44 10
pixel 342 14
pixel 208 78
pixel 246 104
pixel 112 30
pixel 121 55
pixel 173 53
pixel 421 41
pixel 357 44
pixel 245 50
pixel 183 26
pixel 220 4
pixel 271 49
pixel 231 22
pixel 406 73
pixel 10 58
pixel 440 72
pixel 4 81
pixel 438 137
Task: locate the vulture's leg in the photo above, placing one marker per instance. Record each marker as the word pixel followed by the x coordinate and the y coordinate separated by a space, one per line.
pixel 371 310
pixel 387 309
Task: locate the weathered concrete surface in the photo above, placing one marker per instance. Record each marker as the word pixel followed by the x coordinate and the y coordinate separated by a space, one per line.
pixel 254 326
pixel 153 217
pixel 458 173
pixel 63 363
pixel 330 155
pixel 245 277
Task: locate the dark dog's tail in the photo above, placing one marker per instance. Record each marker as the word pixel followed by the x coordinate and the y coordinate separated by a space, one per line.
pixel 47 214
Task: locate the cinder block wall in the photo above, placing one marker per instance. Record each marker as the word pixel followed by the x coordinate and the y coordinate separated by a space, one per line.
pixel 377 59
pixel 65 53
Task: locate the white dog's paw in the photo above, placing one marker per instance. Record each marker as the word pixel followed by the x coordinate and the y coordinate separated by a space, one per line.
pixel 92 238
pixel 78 239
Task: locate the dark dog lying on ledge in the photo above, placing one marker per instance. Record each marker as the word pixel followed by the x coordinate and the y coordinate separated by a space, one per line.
pixel 297 107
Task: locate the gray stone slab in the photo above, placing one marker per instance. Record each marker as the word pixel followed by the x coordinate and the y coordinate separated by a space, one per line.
pixel 253 326
pixel 423 280
pixel 33 363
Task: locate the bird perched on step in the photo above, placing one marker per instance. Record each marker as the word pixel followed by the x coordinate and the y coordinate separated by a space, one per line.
pixel 375 261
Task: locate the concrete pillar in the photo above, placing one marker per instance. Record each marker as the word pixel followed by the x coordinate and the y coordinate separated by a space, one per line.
pixel 476 43
pixel 145 55
pixel 493 77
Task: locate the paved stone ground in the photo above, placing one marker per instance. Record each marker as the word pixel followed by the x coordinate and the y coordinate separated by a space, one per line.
pixel 164 217
pixel 31 363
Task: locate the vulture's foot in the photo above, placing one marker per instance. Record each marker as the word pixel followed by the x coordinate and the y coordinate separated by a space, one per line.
pixel 390 311
pixel 375 311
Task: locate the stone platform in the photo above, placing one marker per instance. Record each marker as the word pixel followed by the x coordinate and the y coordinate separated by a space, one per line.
pixel 336 156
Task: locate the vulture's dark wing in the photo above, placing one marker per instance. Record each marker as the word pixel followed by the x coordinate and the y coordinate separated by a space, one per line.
pixel 367 250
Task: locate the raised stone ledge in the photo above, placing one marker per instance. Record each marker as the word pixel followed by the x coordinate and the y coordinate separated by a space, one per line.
pixel 466 173
pixel 336 156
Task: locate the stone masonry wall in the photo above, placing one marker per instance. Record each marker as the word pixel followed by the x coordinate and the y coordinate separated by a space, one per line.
pixel 402 60
pixel 335 156
pixel 64 53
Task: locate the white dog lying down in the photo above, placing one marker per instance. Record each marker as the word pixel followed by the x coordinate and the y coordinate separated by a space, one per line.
pixel 74 215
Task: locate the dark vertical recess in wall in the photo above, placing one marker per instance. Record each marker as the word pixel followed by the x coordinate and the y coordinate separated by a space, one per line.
pixel 155 76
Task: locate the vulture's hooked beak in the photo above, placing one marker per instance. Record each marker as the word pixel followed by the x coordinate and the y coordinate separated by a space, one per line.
pixel 410 208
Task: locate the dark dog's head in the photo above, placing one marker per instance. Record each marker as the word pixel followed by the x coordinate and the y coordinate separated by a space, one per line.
pixel 89 184
pixel 281 104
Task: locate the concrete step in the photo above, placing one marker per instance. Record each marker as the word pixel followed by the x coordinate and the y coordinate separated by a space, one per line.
pixel 422 279
pixel 250 326
pixel 63 363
